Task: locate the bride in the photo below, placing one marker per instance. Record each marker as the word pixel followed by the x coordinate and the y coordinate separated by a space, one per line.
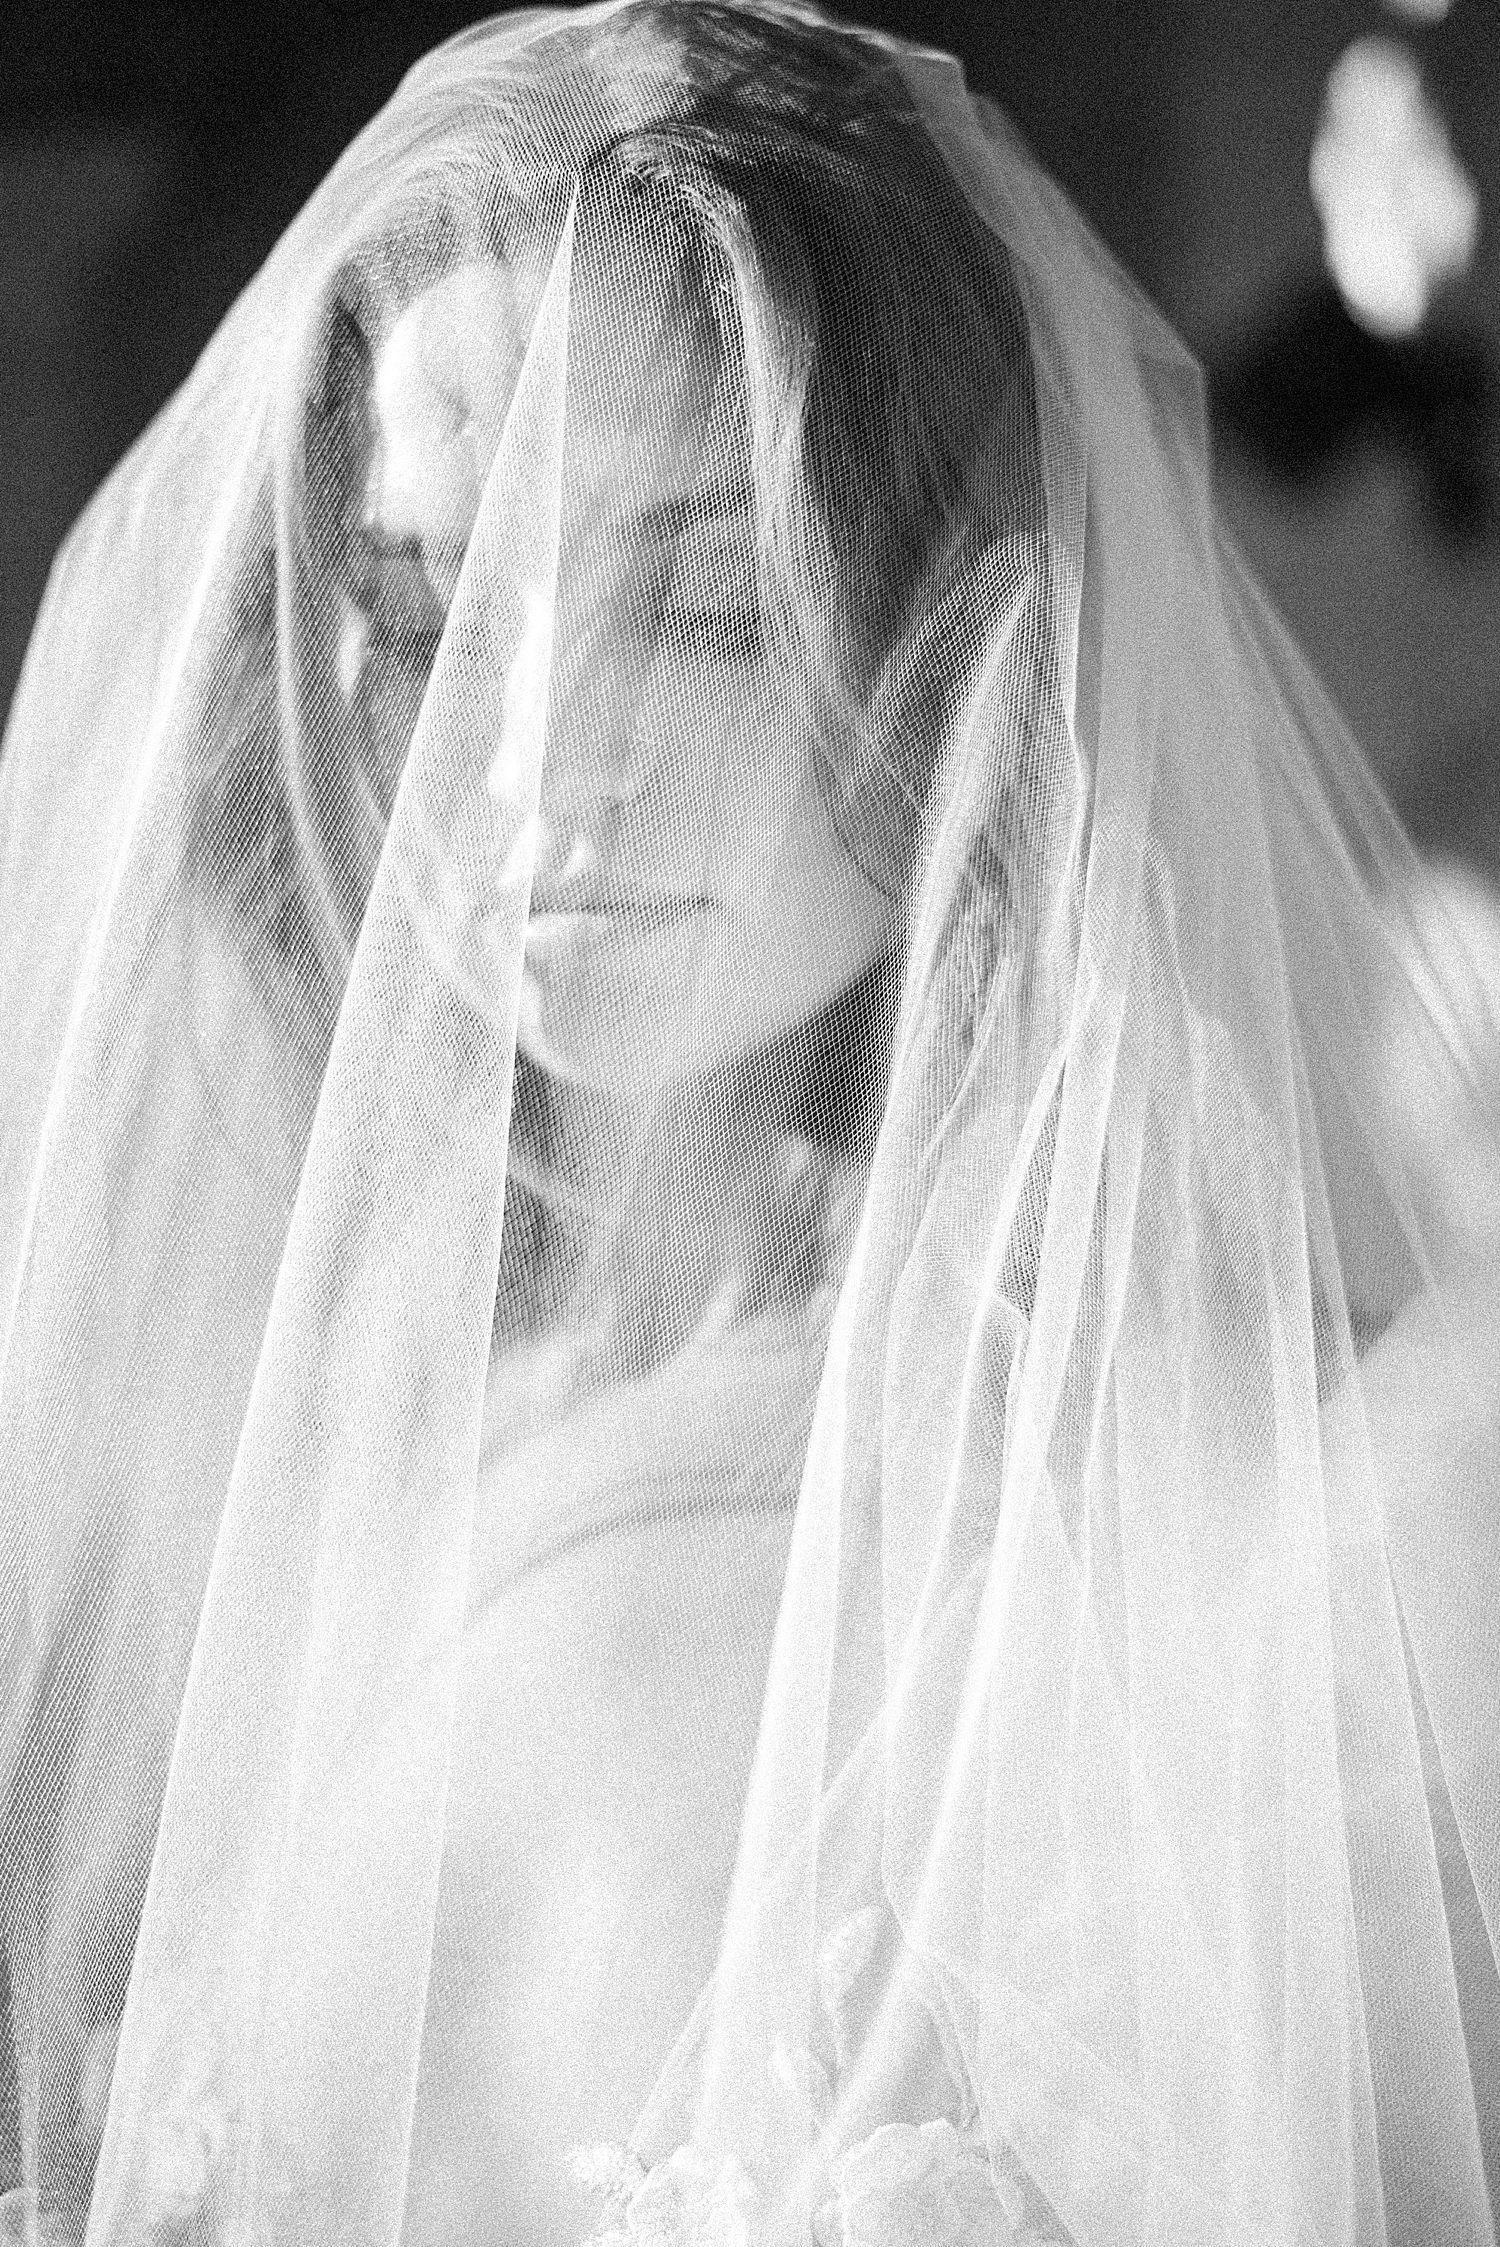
pixel 749 1479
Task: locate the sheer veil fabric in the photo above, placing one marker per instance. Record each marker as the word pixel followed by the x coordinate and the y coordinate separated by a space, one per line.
pixel 751 1483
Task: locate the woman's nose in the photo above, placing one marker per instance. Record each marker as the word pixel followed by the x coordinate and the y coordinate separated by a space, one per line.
pixel 594 766
pixel 567 857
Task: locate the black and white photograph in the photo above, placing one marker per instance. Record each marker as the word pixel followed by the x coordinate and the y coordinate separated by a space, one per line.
pixel 750 1124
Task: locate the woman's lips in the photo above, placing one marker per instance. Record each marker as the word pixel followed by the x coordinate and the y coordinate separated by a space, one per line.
pixel 645 914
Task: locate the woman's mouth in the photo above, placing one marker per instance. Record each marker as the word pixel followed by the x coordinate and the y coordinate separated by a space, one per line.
pixel 638 911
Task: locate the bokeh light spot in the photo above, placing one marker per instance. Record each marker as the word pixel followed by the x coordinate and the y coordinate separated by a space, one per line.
pixel 1400 214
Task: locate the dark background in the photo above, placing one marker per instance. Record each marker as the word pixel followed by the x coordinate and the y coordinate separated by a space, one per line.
pixel 150 156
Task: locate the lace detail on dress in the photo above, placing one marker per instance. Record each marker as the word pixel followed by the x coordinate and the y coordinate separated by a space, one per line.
pixel 924 2182
pixel 685 2201
pixel 937 2183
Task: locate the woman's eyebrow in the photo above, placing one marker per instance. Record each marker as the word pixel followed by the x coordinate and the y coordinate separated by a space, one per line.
pixel 669 518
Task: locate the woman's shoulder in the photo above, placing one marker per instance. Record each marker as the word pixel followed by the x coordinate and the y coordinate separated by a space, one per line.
pixel 1428 1390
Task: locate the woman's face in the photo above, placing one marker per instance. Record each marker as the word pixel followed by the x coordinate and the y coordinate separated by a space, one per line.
pixel 691 897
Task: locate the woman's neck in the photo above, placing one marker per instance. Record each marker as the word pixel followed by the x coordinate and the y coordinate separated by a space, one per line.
pixel 669 1203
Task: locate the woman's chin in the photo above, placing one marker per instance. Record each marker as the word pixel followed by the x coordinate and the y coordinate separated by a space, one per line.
pixel 629 1056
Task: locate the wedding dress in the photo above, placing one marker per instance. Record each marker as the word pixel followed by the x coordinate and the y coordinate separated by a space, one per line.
pixel 750 1237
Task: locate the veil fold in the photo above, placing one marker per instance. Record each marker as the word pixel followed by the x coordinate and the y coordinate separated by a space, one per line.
pixel 740 1442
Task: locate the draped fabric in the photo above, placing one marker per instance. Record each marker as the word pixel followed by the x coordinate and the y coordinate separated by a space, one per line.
pixel 749 1469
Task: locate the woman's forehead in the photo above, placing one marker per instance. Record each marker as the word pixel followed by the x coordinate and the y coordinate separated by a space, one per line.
pixel 649 395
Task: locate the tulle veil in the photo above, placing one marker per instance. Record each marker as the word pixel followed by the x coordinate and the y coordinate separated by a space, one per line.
pixel 1105 1401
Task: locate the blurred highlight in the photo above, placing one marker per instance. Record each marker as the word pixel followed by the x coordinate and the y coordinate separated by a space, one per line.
pixel 1400 214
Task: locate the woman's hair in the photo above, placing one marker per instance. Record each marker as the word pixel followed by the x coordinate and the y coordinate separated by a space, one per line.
pixel 878 337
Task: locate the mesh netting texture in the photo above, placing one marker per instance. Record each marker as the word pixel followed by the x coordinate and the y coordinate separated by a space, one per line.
pixel 750 1444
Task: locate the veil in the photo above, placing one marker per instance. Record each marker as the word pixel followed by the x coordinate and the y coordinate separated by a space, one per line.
pixel 750 1471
